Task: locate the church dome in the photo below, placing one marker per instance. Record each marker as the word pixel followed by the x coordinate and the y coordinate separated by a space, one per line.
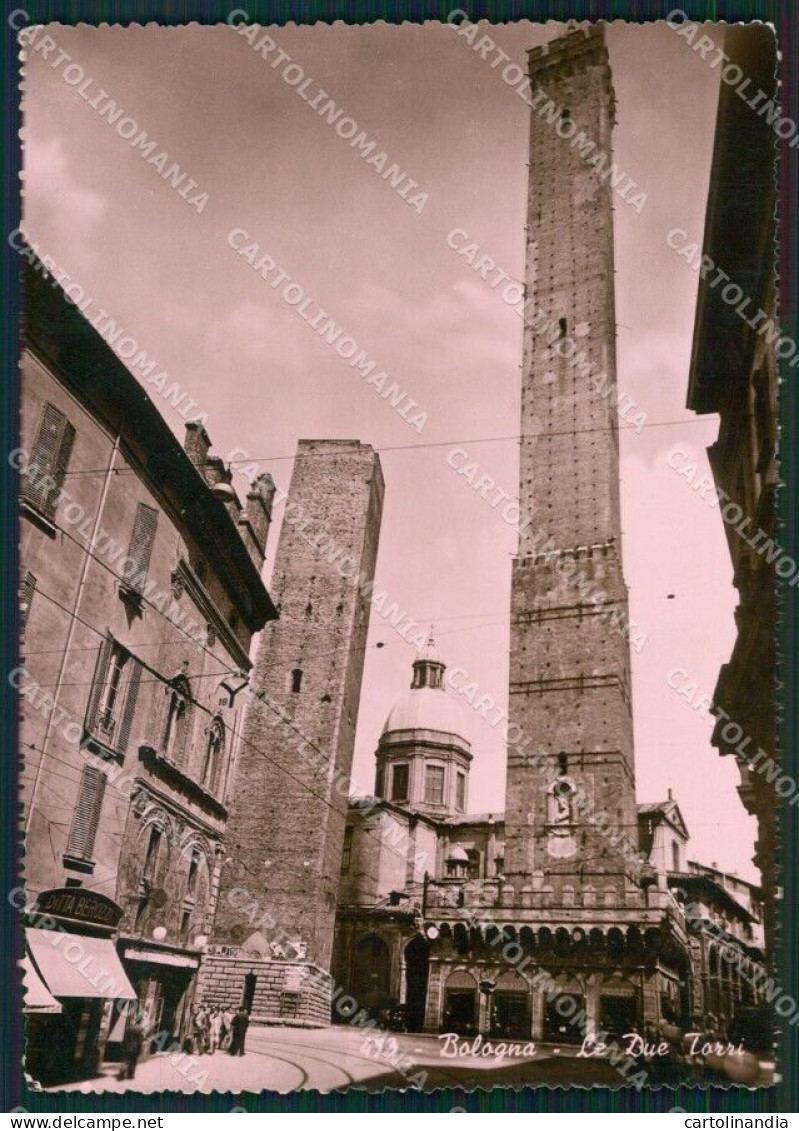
pixel 422 757
pixel 426 705
pixel 426 708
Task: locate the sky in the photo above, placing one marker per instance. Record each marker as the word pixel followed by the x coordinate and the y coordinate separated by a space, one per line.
pixel 273 167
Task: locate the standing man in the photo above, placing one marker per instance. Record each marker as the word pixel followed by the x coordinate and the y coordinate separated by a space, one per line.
pixel 225 1031
pixel 214 1029
pixel 240 1023
pixel 201 1031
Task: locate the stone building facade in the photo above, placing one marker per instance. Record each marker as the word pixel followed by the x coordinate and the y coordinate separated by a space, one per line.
pixel 426 939
pixel 141 591
pixel 290 806
pixel 734 373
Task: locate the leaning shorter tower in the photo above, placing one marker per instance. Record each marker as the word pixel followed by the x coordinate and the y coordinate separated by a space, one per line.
pixel 280 882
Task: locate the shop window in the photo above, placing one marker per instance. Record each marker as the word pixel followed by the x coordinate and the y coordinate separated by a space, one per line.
pixel 399 782
pixel 434 785
pixel 83 832
pixel 49 460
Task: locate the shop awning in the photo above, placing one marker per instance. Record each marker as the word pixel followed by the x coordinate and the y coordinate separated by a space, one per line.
pixel 78 965
pixel 38 998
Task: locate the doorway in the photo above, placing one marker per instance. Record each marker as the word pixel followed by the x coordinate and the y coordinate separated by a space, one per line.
pixel 417 955
pixel 371 981
pixel 511 1014
pixel 618 1015
pixel 460 1013
pixel 564 1018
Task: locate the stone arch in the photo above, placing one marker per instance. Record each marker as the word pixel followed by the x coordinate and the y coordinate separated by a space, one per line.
pixel 149 872
pixel 563 941
pixel 195 871
pixel 461 939
pixel 615 943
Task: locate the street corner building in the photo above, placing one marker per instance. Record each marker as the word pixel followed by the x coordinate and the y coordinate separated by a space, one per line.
pixel 141 591
pixel 275 920
pixel 734 372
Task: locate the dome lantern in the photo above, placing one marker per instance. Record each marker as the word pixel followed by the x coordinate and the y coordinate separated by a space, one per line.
pixel 428 667
pixel 423 757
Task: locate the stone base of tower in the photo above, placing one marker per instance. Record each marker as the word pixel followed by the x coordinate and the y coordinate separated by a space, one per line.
pixel 276 991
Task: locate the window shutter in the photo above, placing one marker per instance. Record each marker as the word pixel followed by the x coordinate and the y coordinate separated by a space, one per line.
pixel 87 813
pixel 130 705
pixel 27 589
pixel 141 545
pixel 100 672
pixel 49 460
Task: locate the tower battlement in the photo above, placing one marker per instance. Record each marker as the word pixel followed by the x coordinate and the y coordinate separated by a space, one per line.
pixel 585 45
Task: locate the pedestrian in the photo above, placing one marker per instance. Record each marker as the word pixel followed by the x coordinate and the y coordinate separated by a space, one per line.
pixel 240 1023
pixel 225 1030
pixel 201 1030
pixel 214 1029
pixel 132 1044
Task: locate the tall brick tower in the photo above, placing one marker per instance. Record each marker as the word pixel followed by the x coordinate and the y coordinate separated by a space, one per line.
pixel 288 809
pixel 569 667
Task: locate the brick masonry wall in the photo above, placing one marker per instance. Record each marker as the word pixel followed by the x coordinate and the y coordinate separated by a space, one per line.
pixel 286 993
pixel 290 796
pixel 570 669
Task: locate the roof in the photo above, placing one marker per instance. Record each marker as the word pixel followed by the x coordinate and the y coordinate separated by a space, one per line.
pixel 667 810
pixel 427 709
pixel 57 332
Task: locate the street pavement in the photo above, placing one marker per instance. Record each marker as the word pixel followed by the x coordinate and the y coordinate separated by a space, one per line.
pixel 291 1059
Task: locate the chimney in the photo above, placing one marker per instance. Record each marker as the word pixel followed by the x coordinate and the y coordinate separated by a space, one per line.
pixel 197 444
pixel 257 517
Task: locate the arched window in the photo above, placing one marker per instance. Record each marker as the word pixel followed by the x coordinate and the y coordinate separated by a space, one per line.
pixel 296 680
pixel 214 749
pixel 176 731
